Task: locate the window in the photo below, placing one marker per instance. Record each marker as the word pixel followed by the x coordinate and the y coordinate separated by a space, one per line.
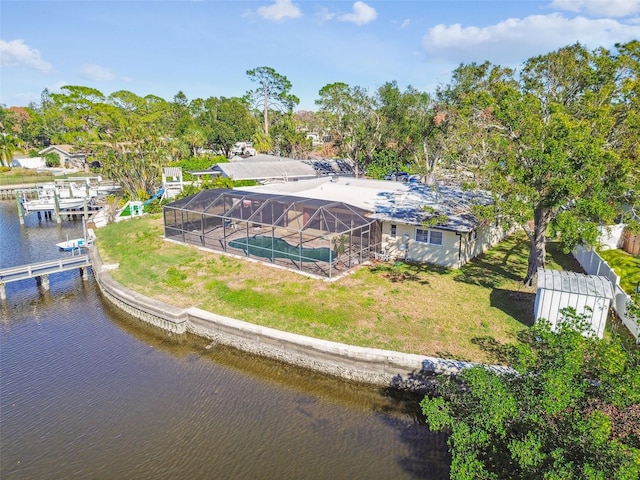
pixel 393 230
pixel 422 235
pixel 473 234
pixel 431 237
pixel 435 238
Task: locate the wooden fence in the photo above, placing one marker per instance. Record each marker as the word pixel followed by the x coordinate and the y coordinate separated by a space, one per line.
pixel 631 243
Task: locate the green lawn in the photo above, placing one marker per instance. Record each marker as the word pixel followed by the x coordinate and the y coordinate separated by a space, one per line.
pixel 626 266
pixel 20 176
pixel 406 307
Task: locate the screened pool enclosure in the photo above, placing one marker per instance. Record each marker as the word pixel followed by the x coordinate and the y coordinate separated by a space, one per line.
pixel 317 237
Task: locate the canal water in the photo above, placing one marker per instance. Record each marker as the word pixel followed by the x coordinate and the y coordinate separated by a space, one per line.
pixel 87 392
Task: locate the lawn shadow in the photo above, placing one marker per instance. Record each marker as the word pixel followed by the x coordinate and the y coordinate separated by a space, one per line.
pixel 502 354
pixel 515 303
pixel 563 260
pixel 506 261
pixel 402 271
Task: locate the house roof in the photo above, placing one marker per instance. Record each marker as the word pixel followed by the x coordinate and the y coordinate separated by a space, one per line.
pixel 265 170
pixel 66 149
pixel 271 168
pixel 249 206
pixel 573 282
pixel 28 162
pixel 393 201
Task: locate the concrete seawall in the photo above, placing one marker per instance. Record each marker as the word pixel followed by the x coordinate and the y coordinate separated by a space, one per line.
pixel 368 365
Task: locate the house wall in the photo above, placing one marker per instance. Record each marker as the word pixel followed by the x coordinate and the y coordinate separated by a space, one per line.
pixel 67 160
pixel 34 162
pixel 486 237
pixel 455 251
pixel 445 255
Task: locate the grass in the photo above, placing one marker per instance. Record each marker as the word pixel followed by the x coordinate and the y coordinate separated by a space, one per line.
pixel 20 176
pixel 413 308
pixel 17 176
pixel 626 266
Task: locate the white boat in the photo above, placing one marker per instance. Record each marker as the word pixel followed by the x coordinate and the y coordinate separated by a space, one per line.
pixel 72 244
pixel 49 203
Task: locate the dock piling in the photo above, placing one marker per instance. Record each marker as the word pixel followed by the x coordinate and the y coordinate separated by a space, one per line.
pixel 20 208
pixel 43 280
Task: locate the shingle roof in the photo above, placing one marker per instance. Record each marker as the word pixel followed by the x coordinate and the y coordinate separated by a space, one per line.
pixel 271 167
pixel 455 204
pixel 395 201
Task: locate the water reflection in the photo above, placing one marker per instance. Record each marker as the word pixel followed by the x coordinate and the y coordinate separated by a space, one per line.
pixel 87 391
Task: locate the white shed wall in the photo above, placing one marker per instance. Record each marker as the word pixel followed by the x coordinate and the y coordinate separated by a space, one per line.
pixel 548 304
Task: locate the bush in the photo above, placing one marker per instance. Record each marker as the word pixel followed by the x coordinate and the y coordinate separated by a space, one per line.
pixel 571 410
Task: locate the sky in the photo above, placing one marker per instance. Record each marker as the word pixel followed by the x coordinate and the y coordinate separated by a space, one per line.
pixel 204 48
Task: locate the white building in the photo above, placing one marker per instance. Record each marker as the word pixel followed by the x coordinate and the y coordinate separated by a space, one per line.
pixel 588 295
pixel 407 213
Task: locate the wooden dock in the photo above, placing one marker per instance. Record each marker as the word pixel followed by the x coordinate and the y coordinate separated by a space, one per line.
pixel 41 271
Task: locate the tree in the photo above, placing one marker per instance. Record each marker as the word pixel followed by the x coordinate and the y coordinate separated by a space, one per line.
pixel 290 140
pixel 553 157
pixel 81 109
pixel 271 93
pixel 179 118
pixel 225 122
pixel 262 142
pixel 52 159
pixel 352 118
pixel 8 146
pixel 133 144
pixel 195 137
pixel 464 138
pixel 411 128
pixel 51 116
pixel 570 410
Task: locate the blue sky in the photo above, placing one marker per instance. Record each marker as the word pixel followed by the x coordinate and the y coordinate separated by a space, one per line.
pixel 204 48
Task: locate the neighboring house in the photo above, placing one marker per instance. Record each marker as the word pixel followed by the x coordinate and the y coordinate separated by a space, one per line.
pixel 28 162
pixel 273 169
pixel 68 157
pixel 400 209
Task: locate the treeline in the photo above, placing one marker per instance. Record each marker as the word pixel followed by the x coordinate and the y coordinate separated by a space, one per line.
pixel 556 141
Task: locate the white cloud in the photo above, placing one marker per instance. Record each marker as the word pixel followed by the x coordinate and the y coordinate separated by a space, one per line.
pixel 361 15
pixel 280 9
pixel 96 72
pixel 16 52
pixel 405 23
pixel 57 87
pixel 515 40
pixel 609 8
pixel 325 15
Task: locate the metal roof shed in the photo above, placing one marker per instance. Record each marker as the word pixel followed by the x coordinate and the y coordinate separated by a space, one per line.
pixel 589 295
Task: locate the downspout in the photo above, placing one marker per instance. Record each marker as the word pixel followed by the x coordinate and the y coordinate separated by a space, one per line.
pixel 459 248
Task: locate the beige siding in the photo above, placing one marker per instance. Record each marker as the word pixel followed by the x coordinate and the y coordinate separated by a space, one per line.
pixel 487 236
pixel 455 251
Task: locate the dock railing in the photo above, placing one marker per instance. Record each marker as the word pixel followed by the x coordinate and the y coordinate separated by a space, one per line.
pixel 41 271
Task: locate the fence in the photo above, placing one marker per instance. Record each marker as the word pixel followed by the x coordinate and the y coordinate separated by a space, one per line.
pixel 593 264
pixel 18 179
pixel 631 243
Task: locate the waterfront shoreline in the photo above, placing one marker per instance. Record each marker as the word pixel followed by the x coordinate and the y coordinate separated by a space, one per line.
pixel 354 363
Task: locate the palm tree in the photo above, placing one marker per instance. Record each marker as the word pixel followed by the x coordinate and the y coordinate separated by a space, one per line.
pixel 8 145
